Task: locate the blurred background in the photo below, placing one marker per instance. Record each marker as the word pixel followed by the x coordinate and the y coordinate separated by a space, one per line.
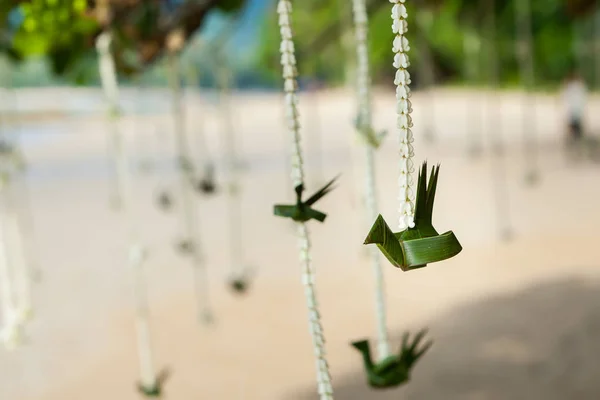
pixel 137 236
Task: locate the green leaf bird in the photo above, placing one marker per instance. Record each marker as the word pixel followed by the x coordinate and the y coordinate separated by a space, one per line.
pixel 416 247
pixel 156 390
pixel 206 184
pixel 164 201
pixel 394 370
pixel 239 285
pixel 302 211
pixel 368 133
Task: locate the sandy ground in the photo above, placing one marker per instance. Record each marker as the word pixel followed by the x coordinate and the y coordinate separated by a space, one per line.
pixel 511 320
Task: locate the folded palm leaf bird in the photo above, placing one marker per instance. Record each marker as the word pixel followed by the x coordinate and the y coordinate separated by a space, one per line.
pixel 207 184
pixel 156 390
pixel 239 285
pixel 302 211
pixel 394 370
pixel 164 200
pixel 416 247
pixel 368 133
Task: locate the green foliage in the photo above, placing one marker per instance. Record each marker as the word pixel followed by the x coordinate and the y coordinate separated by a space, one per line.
pixel 64 32
pixel 317 27
pixel 56 28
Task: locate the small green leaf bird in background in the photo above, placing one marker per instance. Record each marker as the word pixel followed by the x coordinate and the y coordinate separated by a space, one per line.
pixel 239 285
pixel 416 247
pixel 394 370
pixel 302 211
pixel 206 184
pixel 156 390
pixel 373 138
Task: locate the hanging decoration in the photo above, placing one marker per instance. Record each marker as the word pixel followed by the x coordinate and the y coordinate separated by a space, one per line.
pixel 149 383
pixel 302 212
pixel 525 55
pixel 499 178
pixel 418 243
pixel 190 244
pixel 371 142
pixel 393 370
pixel 207 182
pixel 239 280
pixel 11 331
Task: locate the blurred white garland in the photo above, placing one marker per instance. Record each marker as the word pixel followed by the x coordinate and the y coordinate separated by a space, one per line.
pixel 288 63
pixel 403 109
pixel 136 250
pixel 363 86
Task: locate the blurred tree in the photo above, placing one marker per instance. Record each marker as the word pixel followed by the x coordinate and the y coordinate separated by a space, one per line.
pixel 318 29
pixel 64 31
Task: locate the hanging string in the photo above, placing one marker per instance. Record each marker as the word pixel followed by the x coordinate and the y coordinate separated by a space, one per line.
pixel 109 84
pixel 11 330
pixel 18 263
pixel 424 21
pixel 472 63
pixel 193 82
pixel 363 85
pixel 403 109
pixel 190 215
pixel 234 204
pixel 527 72
pixel 288 63
pixel 110 88
pixel 501 193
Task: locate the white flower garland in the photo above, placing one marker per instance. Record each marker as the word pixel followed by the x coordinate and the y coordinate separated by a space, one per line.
pixel 136 251
pixel 11 333
pixel 361 23
pixel 403 109
pixel 288 63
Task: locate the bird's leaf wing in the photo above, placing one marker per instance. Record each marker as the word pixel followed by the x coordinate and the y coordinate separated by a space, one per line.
pixel 386 365
pixel 418 252
pixel 322 192
pixel 315 214
pixel 285 210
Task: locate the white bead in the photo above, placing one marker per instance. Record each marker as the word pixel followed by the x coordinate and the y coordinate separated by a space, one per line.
pixel 284 19
pixel 401 61
pixel 402 77
pixel 286 32
pixel 284 6
pixel 308 279
pixel 399 11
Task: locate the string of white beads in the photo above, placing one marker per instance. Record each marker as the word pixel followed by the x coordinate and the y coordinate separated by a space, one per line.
pixel 403 109
pixel 288 63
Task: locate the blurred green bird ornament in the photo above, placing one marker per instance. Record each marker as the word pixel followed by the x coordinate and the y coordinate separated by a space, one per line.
pixel 207 184
pixel 241 281
pixel 156 390
pixel 239 285
pixel 185 246
pixel 394 370
pixel 416 247
pixel 164 201
pixel 302 211
pixel 368 134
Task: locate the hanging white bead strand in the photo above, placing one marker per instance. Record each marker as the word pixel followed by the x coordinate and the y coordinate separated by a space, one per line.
pixel 403 109
pixel 363 84
pixel 10 331
pixel 110 86
pixel 288 63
